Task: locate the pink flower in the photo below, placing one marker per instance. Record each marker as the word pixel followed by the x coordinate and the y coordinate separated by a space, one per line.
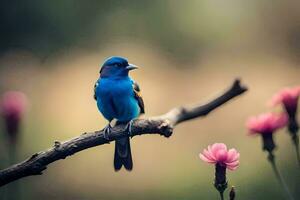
pixel 288 97
pixel 218 154
pixel 12 106
pixel 266 123
pixel 13 103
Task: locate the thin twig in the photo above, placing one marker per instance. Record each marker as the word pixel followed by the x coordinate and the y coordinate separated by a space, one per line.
pixel 162 125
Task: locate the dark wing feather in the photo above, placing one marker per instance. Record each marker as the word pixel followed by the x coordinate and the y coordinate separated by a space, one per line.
pixel 138 96
pixel 95 87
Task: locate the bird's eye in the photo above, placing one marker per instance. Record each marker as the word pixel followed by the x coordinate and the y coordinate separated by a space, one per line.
pixel 119 64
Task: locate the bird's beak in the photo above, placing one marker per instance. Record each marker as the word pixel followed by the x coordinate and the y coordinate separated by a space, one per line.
pixel 131 67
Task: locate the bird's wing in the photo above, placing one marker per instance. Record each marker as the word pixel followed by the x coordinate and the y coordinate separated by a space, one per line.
pixel 95 87
pixel 138 97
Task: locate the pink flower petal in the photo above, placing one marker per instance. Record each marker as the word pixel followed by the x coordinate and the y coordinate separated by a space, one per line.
pixel 233 155
pixel 217 147
pixel 13 103
pixel 209 149
pixel 208 155
pixel 233 167
pixel 266 123
pixel 205 159
pixel 217 153
pixel 233 163
pixel 221 155
pixel 287 96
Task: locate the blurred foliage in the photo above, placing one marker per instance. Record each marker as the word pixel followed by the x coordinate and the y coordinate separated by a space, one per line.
pixel 182 29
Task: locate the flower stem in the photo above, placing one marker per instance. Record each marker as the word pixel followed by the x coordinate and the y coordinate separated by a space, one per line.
pixel 295 139
pixel 220 179
pixel 222 195
pixel 293 129
pixel 281 181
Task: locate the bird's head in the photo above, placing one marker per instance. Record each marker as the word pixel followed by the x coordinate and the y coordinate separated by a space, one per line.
pixel 116 67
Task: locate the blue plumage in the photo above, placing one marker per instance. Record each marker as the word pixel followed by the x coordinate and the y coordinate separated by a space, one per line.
pixel 118 97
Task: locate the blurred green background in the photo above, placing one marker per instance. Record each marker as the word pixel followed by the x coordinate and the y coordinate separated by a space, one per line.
pixel 188 52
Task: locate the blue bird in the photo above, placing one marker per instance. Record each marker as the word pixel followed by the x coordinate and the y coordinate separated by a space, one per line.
pixel 118 98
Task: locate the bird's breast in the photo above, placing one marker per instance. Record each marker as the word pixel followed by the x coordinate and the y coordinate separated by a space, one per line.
pixel 116 99
pixel 115 87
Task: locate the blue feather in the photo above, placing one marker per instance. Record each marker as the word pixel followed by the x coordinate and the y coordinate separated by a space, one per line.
pixel 116 100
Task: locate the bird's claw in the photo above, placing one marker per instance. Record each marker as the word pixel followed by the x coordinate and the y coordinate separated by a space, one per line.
pixel 129 127
pixel 106 131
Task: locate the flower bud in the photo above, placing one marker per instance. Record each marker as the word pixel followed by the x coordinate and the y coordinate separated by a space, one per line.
pixel 12 106
pixel 232 193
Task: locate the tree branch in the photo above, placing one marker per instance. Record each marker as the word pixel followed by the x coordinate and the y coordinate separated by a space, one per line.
pixel 162 125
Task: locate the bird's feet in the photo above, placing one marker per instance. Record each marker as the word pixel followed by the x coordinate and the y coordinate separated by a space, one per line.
pixel 129 127
pixel 106 131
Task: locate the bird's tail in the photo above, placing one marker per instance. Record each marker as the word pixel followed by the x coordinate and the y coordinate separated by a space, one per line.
pixel 123 154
